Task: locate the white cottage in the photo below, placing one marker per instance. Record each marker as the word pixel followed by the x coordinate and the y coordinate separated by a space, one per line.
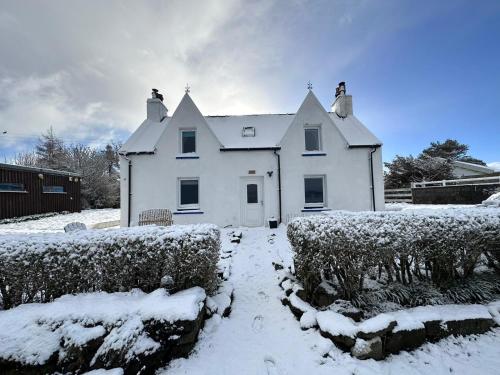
pixel 242 170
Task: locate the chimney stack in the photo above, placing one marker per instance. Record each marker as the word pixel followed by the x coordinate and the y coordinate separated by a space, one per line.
pixel 342 105
pixel 156 110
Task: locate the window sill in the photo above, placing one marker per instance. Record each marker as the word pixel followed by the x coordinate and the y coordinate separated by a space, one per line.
pixel 188 212
pixel 187 156
pixel 314 153
pixel 316 209
pixel 14 191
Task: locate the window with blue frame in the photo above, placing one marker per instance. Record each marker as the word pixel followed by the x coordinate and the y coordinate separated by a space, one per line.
pixel 53 189
pixel 11 187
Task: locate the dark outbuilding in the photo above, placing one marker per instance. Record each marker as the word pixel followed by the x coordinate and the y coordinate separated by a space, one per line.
pixel 29 191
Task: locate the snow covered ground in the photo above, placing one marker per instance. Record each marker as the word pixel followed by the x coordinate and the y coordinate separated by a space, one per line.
pixel 410 206
pixel 56 223
pixel 262 336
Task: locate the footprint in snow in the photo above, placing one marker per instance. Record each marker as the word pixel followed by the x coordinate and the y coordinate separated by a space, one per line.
pixel 263 295
pixel 258 323
pixel 270 365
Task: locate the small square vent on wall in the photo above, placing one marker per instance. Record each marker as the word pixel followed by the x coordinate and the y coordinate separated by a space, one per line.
pixel 248 131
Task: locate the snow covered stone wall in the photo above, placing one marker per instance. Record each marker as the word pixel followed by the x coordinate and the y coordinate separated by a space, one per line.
pixel 390 332
pixel 41 267
pixel 430 245
pixel 135 331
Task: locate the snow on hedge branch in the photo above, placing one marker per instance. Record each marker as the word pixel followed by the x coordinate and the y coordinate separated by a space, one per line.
pixel 440 245
pixel 41 267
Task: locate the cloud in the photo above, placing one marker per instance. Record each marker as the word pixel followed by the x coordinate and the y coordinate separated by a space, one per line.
pixel 495 165
pixel 86 68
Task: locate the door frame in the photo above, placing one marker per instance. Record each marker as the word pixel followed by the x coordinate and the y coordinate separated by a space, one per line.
pixel 244 180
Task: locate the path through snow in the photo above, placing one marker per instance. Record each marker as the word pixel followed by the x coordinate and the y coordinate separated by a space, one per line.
pixel 261 336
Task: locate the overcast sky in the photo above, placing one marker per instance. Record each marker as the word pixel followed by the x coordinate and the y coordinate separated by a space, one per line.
pixel 418 71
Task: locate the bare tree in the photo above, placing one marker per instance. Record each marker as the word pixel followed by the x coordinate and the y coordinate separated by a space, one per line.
pixel 100 186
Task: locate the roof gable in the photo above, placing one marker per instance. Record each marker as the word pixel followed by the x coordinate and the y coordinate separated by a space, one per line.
pixel 270 129
pixel 310 102
pixel 188 114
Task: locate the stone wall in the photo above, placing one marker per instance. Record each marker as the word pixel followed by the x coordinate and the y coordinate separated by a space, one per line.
pixel 387 333
pixel 459 194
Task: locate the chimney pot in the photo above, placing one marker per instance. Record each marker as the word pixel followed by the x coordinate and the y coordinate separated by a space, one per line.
pixel 342 105
pixel 156 110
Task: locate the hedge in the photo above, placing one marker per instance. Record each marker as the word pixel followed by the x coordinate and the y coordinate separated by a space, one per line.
pixel 41 267
pixel 434 245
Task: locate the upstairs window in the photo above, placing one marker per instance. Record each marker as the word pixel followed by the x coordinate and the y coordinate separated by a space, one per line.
pixel 314 191
pixel 188 141
pixel 11 186
pixel 189 193
pixel 53 189
pixel 312 136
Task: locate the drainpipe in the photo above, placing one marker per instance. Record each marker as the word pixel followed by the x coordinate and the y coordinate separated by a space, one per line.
pixel 129 198
pixel 372 179
pixel 279 184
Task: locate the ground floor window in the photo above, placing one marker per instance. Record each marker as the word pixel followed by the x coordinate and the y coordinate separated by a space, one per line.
pixel 11 186
pixel 189 193
pixel 314 191
pixel 53 189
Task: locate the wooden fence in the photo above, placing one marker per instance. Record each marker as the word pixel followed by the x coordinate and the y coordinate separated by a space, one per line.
pixel 462 181
pixel 398 196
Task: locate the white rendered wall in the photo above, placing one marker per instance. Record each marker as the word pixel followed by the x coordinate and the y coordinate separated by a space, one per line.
pixel 463 172
pixel 155 177
pixel 347 171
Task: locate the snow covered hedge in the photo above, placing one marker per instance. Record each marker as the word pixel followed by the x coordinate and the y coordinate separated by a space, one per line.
pixel 439 246
pixel 41 267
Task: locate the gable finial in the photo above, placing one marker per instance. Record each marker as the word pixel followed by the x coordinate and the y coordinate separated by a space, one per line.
pixel 187 88
pixel 309 85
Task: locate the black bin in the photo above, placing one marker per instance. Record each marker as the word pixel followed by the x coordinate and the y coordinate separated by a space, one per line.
pixel 273 223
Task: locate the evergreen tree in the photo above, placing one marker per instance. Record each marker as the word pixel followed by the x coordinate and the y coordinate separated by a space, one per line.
pixel 451 149
pixel 51 152
pixel 402 171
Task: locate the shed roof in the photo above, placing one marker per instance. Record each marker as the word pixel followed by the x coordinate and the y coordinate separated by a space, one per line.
pixel 473 167
pixel 36 169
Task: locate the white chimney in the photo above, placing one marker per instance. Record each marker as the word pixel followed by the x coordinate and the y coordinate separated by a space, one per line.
pixel 156 110
pixel 342 105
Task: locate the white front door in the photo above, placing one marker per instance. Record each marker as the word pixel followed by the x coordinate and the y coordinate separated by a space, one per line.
pixel 252 201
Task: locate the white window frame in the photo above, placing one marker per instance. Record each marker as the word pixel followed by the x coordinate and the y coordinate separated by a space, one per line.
pixel 320 145
pixel 248 131
pixel 318 204
pixel 187 206
pixel 181 131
